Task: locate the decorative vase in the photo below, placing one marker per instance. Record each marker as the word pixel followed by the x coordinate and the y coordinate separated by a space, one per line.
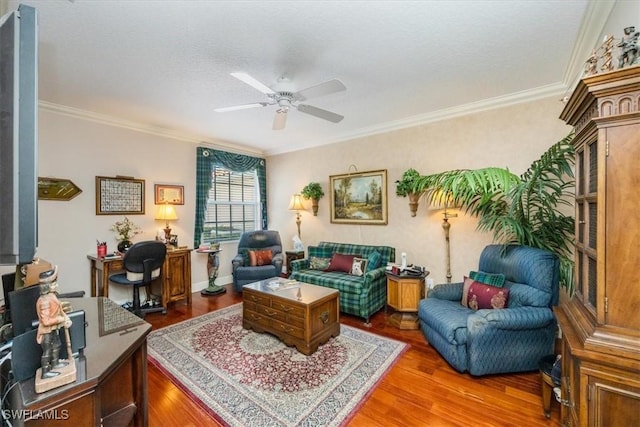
pixel 413 202
pixel 124 246
pixel 314 206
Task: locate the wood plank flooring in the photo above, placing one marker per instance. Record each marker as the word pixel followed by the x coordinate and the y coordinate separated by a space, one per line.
pixel 421 389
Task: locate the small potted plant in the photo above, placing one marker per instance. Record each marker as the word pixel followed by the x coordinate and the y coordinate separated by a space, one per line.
pixel 314 192
pixel 125 230
pixel 405 187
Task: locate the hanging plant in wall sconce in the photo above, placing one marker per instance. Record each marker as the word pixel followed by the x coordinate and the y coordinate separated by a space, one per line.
pixel 314 192
pixel 405 187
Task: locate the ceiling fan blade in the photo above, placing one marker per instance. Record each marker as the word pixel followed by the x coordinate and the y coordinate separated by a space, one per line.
pixel 246 78
pixel 280 120
pixel 321 89
pixel 241 107
pixel 319 112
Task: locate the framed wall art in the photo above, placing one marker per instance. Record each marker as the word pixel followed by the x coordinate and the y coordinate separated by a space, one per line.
pixel 169 194
pixel 359 198
pixel 119 195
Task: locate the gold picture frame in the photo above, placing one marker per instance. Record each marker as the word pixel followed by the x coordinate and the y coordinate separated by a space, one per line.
pixel 359 198
pixel 119 196
pixel 169 194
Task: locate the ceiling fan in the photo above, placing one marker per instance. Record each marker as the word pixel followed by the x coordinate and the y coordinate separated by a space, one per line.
pixel 287 100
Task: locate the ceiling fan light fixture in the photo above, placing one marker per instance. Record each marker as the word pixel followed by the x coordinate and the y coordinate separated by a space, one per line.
pixel 246 78
pixel 240 107
pixel 285 100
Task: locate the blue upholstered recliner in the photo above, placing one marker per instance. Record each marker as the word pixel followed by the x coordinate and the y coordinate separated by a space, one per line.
pixel 243 272
pixel 489 341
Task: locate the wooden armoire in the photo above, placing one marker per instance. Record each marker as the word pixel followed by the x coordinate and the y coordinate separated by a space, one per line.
pixel 600 323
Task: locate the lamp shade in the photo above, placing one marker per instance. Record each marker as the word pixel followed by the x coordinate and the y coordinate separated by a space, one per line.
pixel 296 203
pixel 166 213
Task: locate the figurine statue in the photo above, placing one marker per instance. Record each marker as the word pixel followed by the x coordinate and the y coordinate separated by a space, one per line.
pixel 607 56
pixel 591 66
pixel 52 317
pixel 629 45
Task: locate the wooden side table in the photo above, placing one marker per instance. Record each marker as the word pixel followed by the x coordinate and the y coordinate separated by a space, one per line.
pixel 404 292
pixel 292 256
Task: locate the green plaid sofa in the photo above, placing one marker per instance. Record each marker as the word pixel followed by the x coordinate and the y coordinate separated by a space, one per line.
pixel 359 295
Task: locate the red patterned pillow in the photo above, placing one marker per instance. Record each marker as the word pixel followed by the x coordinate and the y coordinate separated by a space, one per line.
pixel 341 262
pixel 485 296
pixel 263 257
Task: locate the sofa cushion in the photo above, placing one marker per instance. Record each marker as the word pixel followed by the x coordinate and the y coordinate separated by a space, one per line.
pixel 341 263
pixel 493 279
pixel 359 266
pixel 521 295
pixel 319 263
pixel 260 257
pixel 345 283
pixel 486 296
pixel 320 252
pixel 373 260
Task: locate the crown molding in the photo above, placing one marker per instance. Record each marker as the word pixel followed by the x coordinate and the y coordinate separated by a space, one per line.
pixel 556 89
pixel 104 119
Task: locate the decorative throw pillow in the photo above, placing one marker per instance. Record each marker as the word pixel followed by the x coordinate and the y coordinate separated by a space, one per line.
pixel 317 263
pixel 493 279
pixel 341 262
pixel 465 290
pixel 486 296
pixel 373 260
pixel 257 258
pixel 358 267
pixel 245 256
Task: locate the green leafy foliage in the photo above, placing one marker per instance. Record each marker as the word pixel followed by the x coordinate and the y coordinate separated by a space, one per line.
pixel 525 210
pixel 312 190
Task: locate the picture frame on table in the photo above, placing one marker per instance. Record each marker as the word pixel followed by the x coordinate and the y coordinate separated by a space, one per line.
pixel 169 194
pixel 359 198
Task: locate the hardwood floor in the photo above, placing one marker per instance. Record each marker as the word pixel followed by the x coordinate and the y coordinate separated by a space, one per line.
pixel 421 389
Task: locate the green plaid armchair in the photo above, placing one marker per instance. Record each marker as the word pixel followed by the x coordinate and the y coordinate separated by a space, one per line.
pixel 359 295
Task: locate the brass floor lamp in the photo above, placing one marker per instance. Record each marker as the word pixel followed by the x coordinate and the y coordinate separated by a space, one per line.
pixel 446 226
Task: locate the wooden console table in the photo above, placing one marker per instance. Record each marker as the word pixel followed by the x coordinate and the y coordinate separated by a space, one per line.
pixel 111 385
pixel 175 276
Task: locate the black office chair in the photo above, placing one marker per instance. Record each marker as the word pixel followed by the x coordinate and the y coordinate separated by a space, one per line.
pixel 142 263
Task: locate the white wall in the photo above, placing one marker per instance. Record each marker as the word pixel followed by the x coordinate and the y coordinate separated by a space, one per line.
pixel 511 137
pixel 81 150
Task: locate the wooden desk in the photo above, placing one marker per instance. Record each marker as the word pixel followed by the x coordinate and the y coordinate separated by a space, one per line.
pixel 175 276
pixel 111 385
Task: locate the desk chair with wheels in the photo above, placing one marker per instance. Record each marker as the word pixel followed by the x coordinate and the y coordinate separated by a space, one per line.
pixel 142 264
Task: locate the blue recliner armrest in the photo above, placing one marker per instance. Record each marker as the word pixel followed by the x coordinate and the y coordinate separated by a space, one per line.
pixel 519 318
pixel 446 291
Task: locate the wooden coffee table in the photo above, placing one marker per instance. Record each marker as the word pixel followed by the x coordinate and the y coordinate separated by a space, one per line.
pixel 299 314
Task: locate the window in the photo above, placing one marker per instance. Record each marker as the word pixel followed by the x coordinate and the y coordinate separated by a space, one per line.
pixel 231 195
pixel 233 204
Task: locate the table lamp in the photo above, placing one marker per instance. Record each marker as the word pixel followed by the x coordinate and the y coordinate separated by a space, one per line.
pixel 296 205
pixel 166 213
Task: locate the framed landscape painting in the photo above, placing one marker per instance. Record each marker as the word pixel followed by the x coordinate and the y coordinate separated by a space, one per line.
pixel 359 198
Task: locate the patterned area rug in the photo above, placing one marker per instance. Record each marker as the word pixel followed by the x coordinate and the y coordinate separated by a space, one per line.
pixel 243 378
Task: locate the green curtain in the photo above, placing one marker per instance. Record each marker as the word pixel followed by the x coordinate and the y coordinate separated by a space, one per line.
pixel 206 159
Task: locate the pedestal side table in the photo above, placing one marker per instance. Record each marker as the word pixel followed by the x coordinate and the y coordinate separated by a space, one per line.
pixel 404 292
pixel 212 270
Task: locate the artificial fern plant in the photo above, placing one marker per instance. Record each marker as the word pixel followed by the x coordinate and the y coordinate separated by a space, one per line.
pixel 525 209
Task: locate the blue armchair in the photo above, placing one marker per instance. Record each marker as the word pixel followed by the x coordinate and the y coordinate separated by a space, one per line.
pixel 490 341
pixel 243 272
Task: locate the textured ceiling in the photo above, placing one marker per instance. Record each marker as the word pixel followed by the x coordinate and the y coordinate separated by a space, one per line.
pixel 164 65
